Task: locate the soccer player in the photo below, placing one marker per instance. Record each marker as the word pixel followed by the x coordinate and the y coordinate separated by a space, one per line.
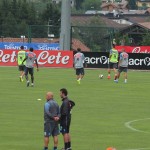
pixel 113 60
pixel 65 118
pixel 21 66
pixel 30 58
pixel 79 65
pixel 123 65
pixel 51 117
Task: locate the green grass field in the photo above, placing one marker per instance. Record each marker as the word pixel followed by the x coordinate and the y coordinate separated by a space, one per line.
pixel 101 117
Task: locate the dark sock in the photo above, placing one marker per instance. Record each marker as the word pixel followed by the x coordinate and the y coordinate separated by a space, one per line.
pixel 69 144
pixel 66 145
pixel 55 148
pixel 45 148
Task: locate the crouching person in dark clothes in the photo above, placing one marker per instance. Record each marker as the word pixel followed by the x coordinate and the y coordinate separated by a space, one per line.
pixel 65 118
pixel 51 117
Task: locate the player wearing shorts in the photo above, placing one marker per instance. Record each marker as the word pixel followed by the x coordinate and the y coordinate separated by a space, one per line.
pixel 21 66
pixel 79 65
pixel 113 60
pixel 30 59
pixel 123 65
pixel 51 117
pixel 65 118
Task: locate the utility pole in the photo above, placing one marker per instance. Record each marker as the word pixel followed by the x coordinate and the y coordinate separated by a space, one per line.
pixel 65 25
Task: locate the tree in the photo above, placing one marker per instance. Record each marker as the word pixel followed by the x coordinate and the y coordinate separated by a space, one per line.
pixel 24 11
pixel 92 34
pixel 51 13
pixel 4 9
pixel 78 4
pixel 32 15
pixel 17 15
pixel 146 39
pixel 132 4
pixel 51 16
pixel 23 28
pixel 44 1
pixel 144 6
pixel 14 7
pixel 9 26
pixel 91 4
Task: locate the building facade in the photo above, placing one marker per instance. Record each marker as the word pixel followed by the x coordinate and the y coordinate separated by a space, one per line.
pixel 143 3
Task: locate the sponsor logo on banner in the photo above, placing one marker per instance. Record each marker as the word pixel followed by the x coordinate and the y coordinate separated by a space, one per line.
pixel 47 47
pixel 139 62
pixel 12 46
pixel 55 58
pixel 140 50
pixel 7 57
pixel 134 49
pixel 97 60
pixel 44 58
pixel 101 60
pixel 35 46
pixel 64 59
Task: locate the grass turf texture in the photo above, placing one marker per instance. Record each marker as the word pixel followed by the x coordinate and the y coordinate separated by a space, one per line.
pixel 98 119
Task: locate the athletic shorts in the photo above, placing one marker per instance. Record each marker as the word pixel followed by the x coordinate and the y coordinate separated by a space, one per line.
pixel 80 71
pixel 112 65
pixel 21 68
pixel 65 126
pixel 51 129
pixel 122 69
pixel 29 70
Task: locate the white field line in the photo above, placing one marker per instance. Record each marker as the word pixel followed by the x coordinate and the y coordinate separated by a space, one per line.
pixel 138 149
pixel 128 125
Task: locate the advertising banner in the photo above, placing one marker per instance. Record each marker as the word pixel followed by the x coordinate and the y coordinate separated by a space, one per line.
pixel 96 59
pixel 64 59
pixel 134 49
pixel 36 46
pixel 101 60
pixel 45 58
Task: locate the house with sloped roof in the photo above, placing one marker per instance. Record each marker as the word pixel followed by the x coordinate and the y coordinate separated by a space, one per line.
pixel 113 5
pixel 135 26
pixel 91 30
pixel 143 3
pixel 97 30
pixel 145 24
pixel 119 8
pixel 86 20
pixel 131 35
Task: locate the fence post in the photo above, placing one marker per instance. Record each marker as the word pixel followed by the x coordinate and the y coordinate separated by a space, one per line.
pixel 29 34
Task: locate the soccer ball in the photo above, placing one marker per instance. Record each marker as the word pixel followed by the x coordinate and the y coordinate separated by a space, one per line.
pixel 101 76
